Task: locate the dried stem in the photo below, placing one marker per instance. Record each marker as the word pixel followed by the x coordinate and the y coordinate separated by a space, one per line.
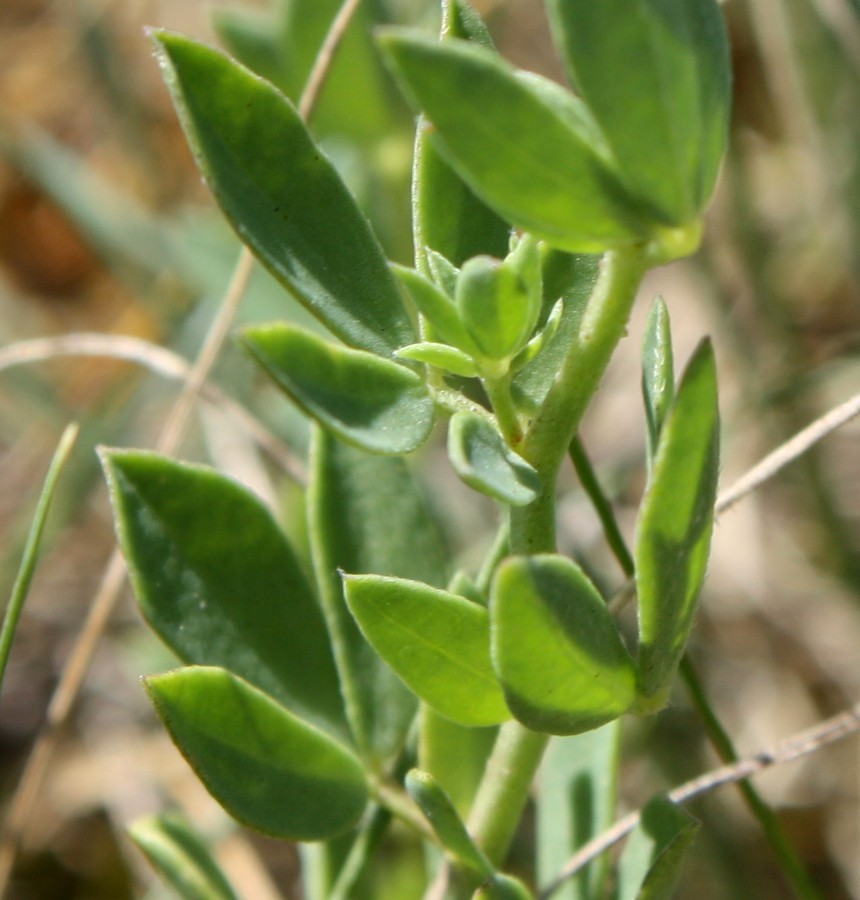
pixel 794 747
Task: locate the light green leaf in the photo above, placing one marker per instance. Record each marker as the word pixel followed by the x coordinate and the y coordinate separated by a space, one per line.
pixel 443 271
pixel 556 648
pixel 658 372
pixel 656 850
pixel 495 305
pixel 437 642
pixel 437 308
pixel 216 579
pixel 364 399
pixel 486 463
pixel 283 196
pixel 365 514
pixel 181 857
pixel 673 533
pixel 503 887
pixel 656 76
pixel 528 151
pixel 447 824
pixel 266 767
pixel 576 801
pixel 450 359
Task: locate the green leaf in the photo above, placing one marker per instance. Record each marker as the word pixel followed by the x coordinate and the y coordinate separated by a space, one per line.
pixel 267 768
pixel 495 306
pixel 371 402
pixel 450 359
pixel 437 308
pixel 673 532
pixel 181 857
pixel 658 372
pixel 437 642
pixel 447 824
pixel 556 648
pixel 656 76
pixel 503 887
pixel 524 145
pixel 576 801
pixel 283 196
pixel 486 463
pixel 365 514
pixel 443 271
pixel 217 580
pixel 651 863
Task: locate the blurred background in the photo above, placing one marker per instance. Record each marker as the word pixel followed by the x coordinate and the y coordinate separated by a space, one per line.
pixel 105 227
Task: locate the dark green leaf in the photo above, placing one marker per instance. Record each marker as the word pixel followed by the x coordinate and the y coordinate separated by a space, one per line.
pixel 673 533
pixel 576 801
pixel 437 642
pixel 656 76
pixel 283 196
pixel 366 515
pixel 181 857
pixel 267 768
pixel 523 144
pixel 215 577
pixel 658 372
pixel 556 648
pixel 503 887
pixel 486 463
pixel 364 399
pixel 651 863
pixel 447 824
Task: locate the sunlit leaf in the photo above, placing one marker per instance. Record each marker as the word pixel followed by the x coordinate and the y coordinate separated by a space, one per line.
pixel 266 767
pixel 556 648
pixel 437 642
pixel 673 533
pixel 658 372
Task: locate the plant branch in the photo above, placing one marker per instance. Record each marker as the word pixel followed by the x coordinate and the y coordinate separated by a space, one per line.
pixel 798 745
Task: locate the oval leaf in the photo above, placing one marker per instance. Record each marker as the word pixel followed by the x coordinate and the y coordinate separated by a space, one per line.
pixel 217 580
pixel 556 648
pixel 366 514
pixel 368 401
pixel 181 857
pixel 283 196
pixel 524 145
pixel 673 533
pixel 437 642
pixel 658 372
pixel 266 767
pixel 486 463
pixel 450 359
pixel 656 76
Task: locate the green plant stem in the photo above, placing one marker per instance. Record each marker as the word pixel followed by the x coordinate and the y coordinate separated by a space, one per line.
pixel 792 866
pixel 499 393
pixel 31 550
pixel 545 445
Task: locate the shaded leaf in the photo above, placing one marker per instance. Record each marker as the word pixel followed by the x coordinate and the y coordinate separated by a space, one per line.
pixel 369 401
pixel 365 514
pixel 657 78
pixel 673 533
pixel 524 145
pixel 217 580
pixel 437 642
pixel 266 767
pixel 576 801
pixel 556 648
pixel 503 887
pixel 486 463
pixel 181 857
pixel 283 196
pixel 656 850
